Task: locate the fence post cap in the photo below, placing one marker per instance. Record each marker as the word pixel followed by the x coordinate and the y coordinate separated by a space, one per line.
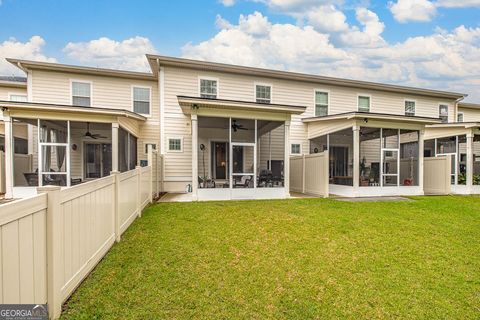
pixel 44 189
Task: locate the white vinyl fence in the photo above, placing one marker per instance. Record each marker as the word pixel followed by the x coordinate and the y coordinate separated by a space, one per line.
pixel 309 174
pixel 436 175
pixel 49 243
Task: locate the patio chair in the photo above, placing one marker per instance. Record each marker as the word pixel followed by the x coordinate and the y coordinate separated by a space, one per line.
pixel 206 183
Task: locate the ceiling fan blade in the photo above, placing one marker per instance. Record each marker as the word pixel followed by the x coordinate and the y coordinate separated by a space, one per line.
pixel 242 128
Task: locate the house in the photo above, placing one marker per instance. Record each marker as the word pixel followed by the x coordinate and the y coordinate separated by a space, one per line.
pixel 229 132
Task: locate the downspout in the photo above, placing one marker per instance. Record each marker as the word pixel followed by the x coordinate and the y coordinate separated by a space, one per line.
pixel 455 109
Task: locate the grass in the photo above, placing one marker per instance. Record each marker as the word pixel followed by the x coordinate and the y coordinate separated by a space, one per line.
pixel 295 259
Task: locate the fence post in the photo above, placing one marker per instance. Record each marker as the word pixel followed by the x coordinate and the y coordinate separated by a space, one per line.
pixel 303 173
pixel 150 163
pixel 54 250
pixel 116 204
pixel 139 190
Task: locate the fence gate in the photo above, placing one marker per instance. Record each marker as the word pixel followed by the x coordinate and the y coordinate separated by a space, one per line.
pixel 309 174
pixel 437 175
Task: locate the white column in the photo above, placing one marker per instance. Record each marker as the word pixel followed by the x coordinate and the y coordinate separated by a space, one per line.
pixel 421 140
pixel 8 155
pixel 356 158
pixel 150 164
pixel 115 128
pixel 286 166
pixel 470 162
pixel 194 156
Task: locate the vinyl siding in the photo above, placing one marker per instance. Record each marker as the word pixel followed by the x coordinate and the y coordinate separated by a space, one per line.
pixel 469 114
pixel 5 91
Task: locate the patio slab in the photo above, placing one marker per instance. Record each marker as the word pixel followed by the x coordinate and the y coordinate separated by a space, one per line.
pixel 373 199
pixel 176 197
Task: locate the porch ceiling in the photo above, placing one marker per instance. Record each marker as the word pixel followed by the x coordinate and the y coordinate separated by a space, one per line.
pixel 191 103
pixel 65 112
pixel 374 116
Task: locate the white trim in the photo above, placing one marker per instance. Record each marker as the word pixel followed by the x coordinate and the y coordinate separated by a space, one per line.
pixel 264 84
pixel 200 77
pixel 315 100
pixel 404 106
pixel 133 86
pixel 30 86
pixel 181 144
pixel 365 95
pixel 81 81
pixel 161 85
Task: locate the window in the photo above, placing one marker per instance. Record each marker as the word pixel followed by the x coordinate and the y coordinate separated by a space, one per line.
pixel 321 104
pixel 208 88
pixel 81 94
pixel 154 147
pixel 175 144
pixel 263 93
pixel 363 104
pixel 141 100
pixel 295 148
pixel 443 113
pixel 460 117
pixel 18 97
pixel 409 108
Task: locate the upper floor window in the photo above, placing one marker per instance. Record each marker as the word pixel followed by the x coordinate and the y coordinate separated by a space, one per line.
pixel 321 103
pixel 460 117
pixel 409 108
pixel 81 94
pixel 363 103
pixel 443 113
pixel 141 100
pixel 18 97
pixel 263 93
pixel 208 88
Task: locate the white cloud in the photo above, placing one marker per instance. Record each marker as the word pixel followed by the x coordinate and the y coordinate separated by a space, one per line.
pixel 442 60
pixel 327 18
pixel 30 50
pixel 228 3
pixel 413 10
pixel 128 54
pixel 425 10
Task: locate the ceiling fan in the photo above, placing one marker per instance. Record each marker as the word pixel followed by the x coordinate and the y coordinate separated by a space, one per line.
pixel 92 135
pixel 236 126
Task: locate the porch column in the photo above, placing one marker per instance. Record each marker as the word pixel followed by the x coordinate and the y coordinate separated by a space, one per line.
pixel 286 166
pixel 115 127
pixel 421 139
pixel 8 155
pixel 194 156
pixel 470 162
pixel 356 158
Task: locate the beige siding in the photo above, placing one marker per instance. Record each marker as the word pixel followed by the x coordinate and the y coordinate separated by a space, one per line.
pixel 6 91
pixel 470 114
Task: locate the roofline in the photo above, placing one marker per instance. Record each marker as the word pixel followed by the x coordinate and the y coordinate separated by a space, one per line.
pixel 250 105
pixel 455 125
pixel 14 84
pixel 156 60
pixel 69 108
pixel 26 65
pixel 371 115
pixel 469 105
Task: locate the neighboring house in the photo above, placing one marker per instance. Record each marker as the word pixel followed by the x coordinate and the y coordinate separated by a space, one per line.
pixel 228 132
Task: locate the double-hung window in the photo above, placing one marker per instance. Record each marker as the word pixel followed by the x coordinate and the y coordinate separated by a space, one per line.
pixel 364 103
pixel 18 97
pixel 141 100
pixel 460 117
pixel 263 93
pixel 321 103
pixel 409 108
pixel 81 94
pixel 443 113
pixel 208 88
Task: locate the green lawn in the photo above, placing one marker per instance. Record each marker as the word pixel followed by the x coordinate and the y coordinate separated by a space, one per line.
pixel 294 259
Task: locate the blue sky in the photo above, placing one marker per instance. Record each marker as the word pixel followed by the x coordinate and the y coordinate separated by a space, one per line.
pixel 429 43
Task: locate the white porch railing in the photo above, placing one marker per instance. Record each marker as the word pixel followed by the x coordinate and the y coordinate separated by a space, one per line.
pixel 52 241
